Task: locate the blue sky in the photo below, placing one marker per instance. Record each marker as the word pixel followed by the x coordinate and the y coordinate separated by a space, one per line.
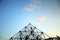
pixel 15 14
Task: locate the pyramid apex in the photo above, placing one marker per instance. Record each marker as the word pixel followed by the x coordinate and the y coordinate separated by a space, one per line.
pixel 29 24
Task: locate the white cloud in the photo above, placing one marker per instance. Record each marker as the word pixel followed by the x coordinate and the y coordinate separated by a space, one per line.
pixel 30 8
pixel 35 4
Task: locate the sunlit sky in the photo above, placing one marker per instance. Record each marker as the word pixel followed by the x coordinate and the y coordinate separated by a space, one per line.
pixel 16 14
